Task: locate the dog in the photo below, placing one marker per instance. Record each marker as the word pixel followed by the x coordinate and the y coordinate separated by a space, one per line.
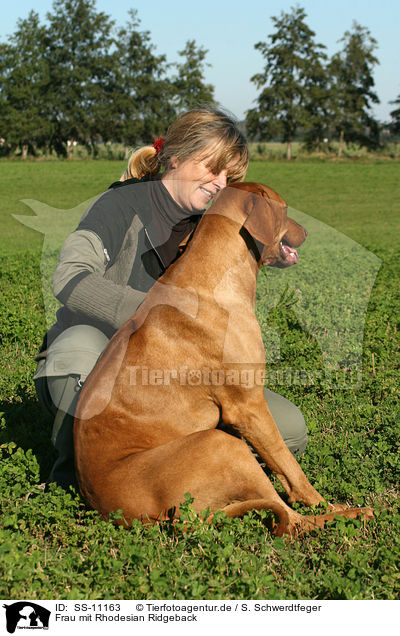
pixel 146 423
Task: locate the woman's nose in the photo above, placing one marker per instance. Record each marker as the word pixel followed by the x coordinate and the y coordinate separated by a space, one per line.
pixel 221 179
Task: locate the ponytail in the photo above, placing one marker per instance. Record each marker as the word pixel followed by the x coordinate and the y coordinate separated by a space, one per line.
pixel 143 161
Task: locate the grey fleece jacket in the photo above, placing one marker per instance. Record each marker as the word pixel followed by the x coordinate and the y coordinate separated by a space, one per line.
pixel 124 242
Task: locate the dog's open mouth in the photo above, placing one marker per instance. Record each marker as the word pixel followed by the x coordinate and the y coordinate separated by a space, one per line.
pixel 288 254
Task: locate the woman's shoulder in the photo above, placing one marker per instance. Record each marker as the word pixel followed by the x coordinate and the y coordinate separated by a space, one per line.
pixel 121 184
pixel 127 182
pixel 113 213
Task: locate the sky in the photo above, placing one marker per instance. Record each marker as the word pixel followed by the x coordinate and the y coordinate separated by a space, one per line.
pixel 230 29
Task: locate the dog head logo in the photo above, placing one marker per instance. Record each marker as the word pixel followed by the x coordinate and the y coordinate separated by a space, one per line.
pixel 328 292
pixel 26 615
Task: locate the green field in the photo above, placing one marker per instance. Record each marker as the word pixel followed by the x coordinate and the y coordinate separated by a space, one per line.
pixel 51 546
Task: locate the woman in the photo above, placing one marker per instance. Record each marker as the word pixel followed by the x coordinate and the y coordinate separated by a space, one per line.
pixel 124 242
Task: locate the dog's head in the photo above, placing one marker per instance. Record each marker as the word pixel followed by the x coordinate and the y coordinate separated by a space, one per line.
pixel 267 223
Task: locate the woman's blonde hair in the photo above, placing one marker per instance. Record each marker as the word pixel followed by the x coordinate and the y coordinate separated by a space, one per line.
pixel 206 134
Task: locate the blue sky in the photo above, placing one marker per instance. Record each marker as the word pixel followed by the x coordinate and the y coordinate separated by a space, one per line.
pixel 229 30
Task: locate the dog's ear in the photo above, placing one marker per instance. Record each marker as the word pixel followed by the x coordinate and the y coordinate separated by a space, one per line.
pixel 266 211
pixel 264 219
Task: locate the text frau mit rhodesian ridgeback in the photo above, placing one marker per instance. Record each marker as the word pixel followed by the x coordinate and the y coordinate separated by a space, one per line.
pixel 143 437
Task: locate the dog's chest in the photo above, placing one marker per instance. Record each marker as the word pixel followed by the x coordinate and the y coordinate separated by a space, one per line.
pixel 235 293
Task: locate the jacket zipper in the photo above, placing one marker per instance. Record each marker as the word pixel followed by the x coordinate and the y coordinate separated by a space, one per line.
pixel 151 243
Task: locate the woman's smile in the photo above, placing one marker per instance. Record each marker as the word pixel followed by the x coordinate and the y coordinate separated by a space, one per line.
pixel 192 185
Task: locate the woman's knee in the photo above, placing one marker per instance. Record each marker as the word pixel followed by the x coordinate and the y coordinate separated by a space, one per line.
pixel 298 439
pixel 289 420
pixel 69 360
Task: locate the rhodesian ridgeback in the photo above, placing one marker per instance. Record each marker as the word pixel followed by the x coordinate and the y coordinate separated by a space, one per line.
pixel 192 356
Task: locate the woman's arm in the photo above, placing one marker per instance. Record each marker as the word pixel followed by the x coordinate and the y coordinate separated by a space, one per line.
pixel 80 285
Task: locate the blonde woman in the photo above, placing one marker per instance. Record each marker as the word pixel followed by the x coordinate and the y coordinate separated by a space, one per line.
pixel 123 244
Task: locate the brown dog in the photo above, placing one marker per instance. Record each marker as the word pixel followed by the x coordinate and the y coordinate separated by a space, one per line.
pixel 146 424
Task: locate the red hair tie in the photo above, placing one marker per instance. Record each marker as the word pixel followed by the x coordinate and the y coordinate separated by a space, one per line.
pixel 158 144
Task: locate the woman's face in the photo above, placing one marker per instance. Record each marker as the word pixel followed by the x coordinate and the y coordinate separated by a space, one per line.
pixel 192 185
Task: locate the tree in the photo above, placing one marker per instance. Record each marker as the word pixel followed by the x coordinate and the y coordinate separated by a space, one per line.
pixel 81 67
pixel 316 106
pixel 143 96
pixel 352 92
pixel 292 71
pixel 394 124
pixel 24 78
pixel 189 85
pixel 80 79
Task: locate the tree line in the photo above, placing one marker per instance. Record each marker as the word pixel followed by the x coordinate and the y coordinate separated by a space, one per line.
pixel 80 78
pixel 302 90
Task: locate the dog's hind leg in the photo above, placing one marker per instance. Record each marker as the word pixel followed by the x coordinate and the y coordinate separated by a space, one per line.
pixel 217 469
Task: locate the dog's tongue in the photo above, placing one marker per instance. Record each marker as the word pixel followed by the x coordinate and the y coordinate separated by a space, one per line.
pixel 290 254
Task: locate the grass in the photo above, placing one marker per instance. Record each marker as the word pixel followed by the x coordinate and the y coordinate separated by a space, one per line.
pixel 53 547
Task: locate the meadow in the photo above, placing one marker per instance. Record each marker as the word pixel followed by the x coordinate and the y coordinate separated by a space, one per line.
pixel 53 547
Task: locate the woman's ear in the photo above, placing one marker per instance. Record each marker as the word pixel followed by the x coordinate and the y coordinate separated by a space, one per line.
pixel 173 162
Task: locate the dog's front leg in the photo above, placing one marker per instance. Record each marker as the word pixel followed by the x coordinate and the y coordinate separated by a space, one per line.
pixel 253 420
